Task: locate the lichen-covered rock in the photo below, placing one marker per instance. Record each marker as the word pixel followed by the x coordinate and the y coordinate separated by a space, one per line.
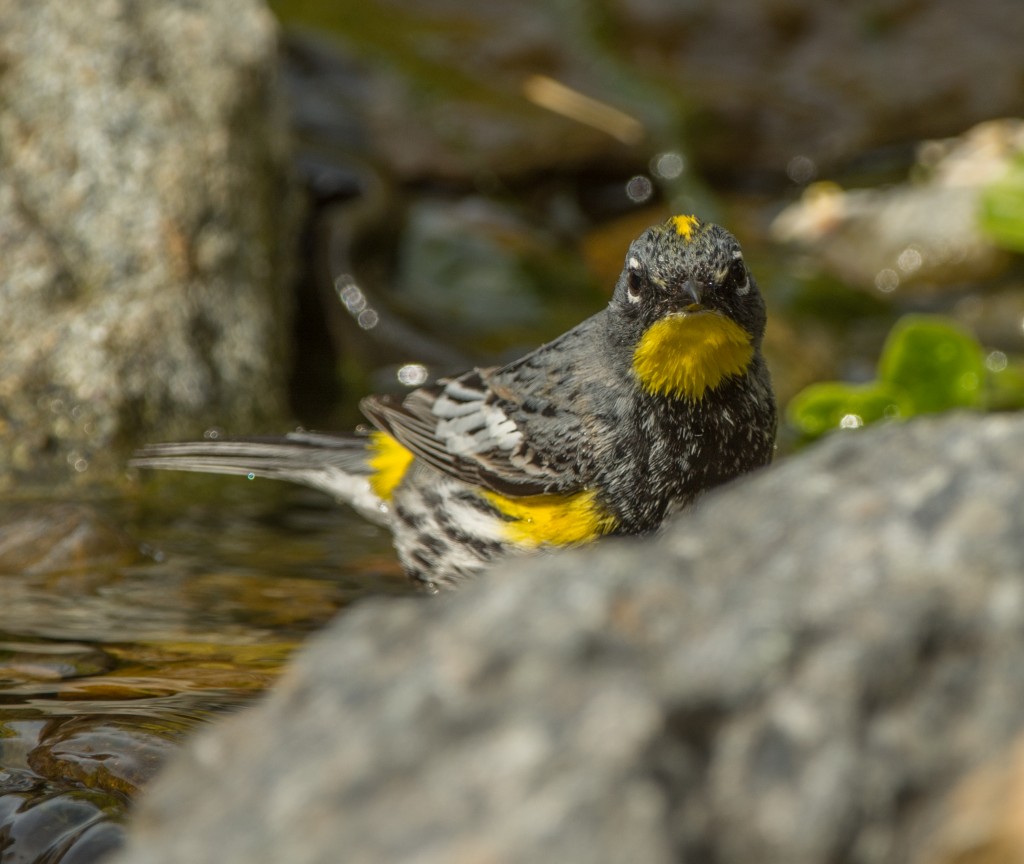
pixel 146 220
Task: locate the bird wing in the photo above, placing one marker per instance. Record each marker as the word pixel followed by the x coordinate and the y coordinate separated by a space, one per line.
pixel 511 429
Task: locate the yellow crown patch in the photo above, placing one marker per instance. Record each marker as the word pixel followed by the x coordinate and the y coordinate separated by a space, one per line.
pixel 684 226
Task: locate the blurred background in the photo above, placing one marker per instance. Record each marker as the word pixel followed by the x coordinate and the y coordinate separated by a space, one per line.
pixel 224 218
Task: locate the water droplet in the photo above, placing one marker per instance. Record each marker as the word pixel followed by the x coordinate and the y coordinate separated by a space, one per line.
pixel 639 189
pixel 353 298
pixel 413 374
pixel 996 361
pixel 887 280
pixel 801 169
pixel 668 165
pixel 910 259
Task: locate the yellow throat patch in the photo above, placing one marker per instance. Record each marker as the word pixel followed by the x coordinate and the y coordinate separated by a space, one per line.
pixel 552 520
pixel 389 461
pixel 685 354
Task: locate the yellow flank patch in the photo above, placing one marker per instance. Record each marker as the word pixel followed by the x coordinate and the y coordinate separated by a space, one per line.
pixel 684 225
pixel 389 461
pixel 685 354
pixel 553 520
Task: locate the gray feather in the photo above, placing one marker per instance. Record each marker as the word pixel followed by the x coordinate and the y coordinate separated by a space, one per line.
pixel 337 465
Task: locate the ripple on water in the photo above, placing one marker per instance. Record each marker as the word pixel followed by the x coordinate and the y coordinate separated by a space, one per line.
pixel 126 624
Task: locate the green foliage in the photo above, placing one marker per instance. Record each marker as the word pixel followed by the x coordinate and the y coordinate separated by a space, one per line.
pixel 830 405
pixel 929 364
pixel 1002 208
pixel 936 363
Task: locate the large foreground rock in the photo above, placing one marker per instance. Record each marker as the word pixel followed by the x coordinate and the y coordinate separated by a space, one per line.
pixel 798 671
pixel 146 219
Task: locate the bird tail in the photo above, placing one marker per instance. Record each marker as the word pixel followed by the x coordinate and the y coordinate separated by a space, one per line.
pixel 335 464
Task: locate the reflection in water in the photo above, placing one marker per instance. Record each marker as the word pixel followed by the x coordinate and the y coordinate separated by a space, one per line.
pixel 126 624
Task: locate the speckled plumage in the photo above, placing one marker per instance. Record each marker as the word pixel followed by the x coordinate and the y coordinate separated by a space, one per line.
pixel 577 439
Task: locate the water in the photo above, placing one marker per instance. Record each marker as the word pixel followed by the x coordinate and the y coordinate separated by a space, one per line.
pixel 128 620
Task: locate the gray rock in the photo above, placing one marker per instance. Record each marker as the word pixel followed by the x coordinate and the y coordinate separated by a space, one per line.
pixel 795 672
pixel 146 217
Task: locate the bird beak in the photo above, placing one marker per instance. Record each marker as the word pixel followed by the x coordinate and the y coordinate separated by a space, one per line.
pixel 692 290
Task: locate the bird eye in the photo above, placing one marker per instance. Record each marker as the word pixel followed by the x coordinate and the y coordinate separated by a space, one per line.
pixel 633 286
pixel 634 280
pixel 738 276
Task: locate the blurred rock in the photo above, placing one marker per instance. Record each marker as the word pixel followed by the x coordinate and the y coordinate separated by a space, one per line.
pixel 477 266
pixel 146 225
pixel 916 238
pixel 51 662
pixel 437 95
pixel 42 537
pixel 471 91
pixel 39 823
pixel 802 87
pixel 113 754
pixel 798 671
pixel 996 316
pixel 984 821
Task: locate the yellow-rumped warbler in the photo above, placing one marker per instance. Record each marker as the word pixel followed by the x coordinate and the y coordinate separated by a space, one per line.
pixel 608 429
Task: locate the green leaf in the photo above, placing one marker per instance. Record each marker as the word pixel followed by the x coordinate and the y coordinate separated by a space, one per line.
pixel 936 363
pixel 1002 209
pixel 830 405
